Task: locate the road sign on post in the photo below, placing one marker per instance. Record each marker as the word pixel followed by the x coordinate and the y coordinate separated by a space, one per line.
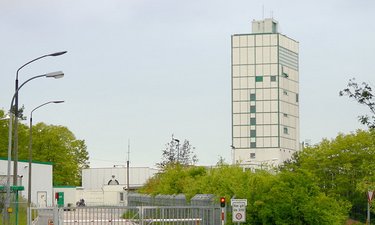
pixel 238 210
pixel 370 195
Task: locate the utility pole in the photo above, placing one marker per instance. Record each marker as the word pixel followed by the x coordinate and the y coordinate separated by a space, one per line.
pixel 127 169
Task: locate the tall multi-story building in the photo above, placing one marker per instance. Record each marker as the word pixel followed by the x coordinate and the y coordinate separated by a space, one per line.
pixel 265 95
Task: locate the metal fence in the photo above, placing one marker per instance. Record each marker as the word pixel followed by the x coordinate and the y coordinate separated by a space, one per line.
pixel 142 215
pixel 135 199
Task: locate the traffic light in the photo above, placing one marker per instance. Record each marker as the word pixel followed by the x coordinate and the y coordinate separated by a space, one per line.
pixel 222 202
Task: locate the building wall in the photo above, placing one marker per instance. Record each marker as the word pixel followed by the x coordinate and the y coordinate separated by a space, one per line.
pixel 96 178
pixel 265 92
pixel 41 184
pixel 69 194
pixel 96 191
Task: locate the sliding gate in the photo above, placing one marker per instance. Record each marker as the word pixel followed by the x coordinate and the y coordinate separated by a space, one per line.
pixel 142 215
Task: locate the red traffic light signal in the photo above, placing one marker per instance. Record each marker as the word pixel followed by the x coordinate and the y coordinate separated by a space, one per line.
pixel 222 202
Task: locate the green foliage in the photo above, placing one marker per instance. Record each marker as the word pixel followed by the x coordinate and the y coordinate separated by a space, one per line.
pixel 362 93
pixel 342 168
pixel 55 144
pixel 288 197
pixel 176 179
pixel 294 198
pixel 176 153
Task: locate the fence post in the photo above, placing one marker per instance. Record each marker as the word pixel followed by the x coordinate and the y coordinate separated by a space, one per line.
pixel 140 211
pixel 28 215
pixel 56 215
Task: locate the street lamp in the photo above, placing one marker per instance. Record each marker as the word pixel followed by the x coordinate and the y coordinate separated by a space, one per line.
pixel 15 165
pixel 55 75
pixel 30 148
pixel 178 149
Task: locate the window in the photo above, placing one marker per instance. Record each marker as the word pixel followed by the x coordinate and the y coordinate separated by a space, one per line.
pixel 253 144
pixel 252 109
pixel 286 130
pixel 252 97
pixel 121 197
pixel 253 133
pixel 258 78
pixel 252 155
pixel 297 98
pixel 285 92
pixel 253 121
pixel 285 115
pixel 273 78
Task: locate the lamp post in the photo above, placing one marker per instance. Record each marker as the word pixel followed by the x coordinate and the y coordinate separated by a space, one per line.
pixel 15 158
pixel 178 149
pixel 31 150
pixel 55 75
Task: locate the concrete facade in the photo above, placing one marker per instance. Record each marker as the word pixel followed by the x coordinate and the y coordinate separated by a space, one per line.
pixel 106 186
pixel 41 184
pixel 265 95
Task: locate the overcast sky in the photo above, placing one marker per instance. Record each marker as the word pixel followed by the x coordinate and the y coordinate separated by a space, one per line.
pixel 146 69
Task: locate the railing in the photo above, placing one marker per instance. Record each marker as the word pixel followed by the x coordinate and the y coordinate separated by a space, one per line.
pixel 142 215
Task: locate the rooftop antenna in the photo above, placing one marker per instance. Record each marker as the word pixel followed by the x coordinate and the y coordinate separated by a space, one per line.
pixel 271 14
pixel 263 11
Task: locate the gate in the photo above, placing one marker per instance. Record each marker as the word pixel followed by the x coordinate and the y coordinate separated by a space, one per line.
pixel 142 215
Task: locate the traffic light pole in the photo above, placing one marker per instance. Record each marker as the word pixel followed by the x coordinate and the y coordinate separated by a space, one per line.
pixel 222 205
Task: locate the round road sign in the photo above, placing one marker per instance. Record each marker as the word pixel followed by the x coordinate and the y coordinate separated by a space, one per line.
pixel 238 216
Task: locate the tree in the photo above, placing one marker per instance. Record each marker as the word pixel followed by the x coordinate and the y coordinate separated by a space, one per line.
pixel 175 153
pixel 55 144
pixel 288 197
pixel 362 93
pixel 342 167
pixel 3 131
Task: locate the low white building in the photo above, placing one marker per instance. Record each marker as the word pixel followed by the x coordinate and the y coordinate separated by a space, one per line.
pixel 41 180
pixel 105 186
pixel 96 178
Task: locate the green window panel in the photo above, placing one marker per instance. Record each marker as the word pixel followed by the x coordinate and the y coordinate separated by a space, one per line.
pixel 252 97
pixel 252 109
pixel 253 144
pixel 258 78
pixel 253 133
pixel 253 121
pixel 273 78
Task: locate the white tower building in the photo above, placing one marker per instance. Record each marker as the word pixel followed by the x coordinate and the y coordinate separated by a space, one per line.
pixel 265 95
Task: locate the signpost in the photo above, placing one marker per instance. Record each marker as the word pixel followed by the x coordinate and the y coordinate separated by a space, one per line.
pixel 370 195
pixel 238 210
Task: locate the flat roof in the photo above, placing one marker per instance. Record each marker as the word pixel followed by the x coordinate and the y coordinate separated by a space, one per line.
pixel 26 161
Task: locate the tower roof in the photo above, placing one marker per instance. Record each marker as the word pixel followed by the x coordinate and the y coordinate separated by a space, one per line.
pixel 264 26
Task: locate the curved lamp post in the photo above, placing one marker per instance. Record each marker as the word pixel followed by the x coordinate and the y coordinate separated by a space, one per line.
pixel 15 165
pixel 30 148
pixel 56 75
